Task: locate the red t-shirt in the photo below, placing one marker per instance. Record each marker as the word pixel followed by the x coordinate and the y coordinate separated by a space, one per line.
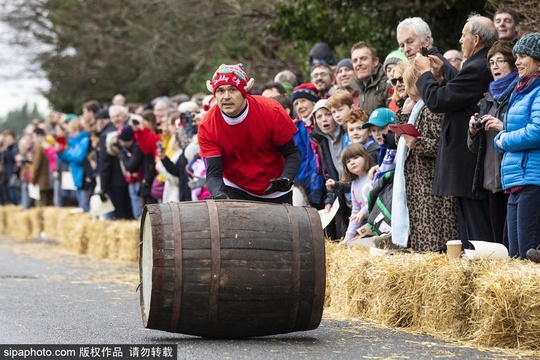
pixel 249 149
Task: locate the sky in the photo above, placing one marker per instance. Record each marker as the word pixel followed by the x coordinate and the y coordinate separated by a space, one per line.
pixel 18 83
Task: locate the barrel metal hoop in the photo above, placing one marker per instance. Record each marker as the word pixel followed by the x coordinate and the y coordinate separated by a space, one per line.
pixel 213 218
pixel 319 270
pixel 178 264
pixel 296 260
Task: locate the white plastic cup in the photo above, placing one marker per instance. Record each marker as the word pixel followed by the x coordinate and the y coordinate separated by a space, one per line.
pixel 453 249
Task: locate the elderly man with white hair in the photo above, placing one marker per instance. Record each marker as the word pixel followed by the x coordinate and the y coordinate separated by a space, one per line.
pixel 113 183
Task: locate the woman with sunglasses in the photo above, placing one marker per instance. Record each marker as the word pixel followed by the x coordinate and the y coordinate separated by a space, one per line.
pixel 399 95
pixel 483 129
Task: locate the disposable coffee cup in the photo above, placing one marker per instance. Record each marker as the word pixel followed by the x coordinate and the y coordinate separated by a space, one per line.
pixel 453 249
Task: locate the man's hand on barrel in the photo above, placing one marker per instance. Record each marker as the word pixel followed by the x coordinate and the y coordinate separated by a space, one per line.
pixel 281 184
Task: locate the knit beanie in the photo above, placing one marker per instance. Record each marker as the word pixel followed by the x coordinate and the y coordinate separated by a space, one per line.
pixel 528 45
pixel 344 63
pixel 305 91
pixel 321 52
pixel 393 58
pixel 125 133
pixel 230 75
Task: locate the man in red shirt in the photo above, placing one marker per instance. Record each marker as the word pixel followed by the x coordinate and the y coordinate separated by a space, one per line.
pixel 247 142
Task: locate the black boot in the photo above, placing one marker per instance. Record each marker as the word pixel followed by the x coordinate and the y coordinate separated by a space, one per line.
pixel 533 255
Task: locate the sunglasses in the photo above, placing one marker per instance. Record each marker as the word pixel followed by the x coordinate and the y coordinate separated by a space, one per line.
pixel 396 80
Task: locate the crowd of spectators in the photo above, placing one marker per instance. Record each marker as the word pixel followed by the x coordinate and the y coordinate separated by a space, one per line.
pixel 137 154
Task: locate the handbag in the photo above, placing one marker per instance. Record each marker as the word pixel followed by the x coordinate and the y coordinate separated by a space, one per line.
pixel 156 191
pixel 67 182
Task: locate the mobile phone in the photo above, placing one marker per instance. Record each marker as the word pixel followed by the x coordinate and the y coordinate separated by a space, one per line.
pixel 424 51
pixel 159 144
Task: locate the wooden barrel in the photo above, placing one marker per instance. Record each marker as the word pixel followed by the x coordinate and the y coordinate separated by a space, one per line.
pixel 231 269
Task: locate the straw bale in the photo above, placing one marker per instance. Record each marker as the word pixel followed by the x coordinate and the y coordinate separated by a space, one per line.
pixel 18 224
pixel 35 219
pixel 445 296
pixel 53 220
pixel 73 234
pixel 97 233
pixel 6 217
pixel 124 241
pixel 506 306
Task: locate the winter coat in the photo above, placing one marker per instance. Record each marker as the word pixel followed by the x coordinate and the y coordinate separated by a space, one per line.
pixel 487 174
pixel 75 155
pixel 330 171
pixel 521 138
pixel 110 172
pixel 375 94
pixel 457 99
pixel 40 172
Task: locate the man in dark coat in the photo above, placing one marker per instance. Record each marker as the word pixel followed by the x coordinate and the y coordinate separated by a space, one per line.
pixel 113 183
pixel 457 99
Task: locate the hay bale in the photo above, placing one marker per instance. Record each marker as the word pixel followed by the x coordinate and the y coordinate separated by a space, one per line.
pixel 35 219
pixel 18 224
pixel 53 218
pixel 73 234
pixel 97 234
pixel 506 310
pixel 445 296
pixel 124 241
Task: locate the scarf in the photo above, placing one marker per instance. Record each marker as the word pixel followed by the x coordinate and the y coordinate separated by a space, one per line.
pixel 527 80
pixel 400 210
pixel 501 87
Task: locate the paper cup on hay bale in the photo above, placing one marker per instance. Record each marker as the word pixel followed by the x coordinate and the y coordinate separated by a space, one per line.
pixel 231 269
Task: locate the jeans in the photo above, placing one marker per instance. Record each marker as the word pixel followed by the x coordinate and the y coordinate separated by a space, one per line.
pixel 136 206
pixel 82 199
pixel 26 202
pixel 523 221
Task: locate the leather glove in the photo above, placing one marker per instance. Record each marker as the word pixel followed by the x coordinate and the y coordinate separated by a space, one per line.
pixel 281 184
pixel 218 196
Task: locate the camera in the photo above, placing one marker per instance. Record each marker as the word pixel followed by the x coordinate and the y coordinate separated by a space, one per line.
pixel 478 124
pixel 187 117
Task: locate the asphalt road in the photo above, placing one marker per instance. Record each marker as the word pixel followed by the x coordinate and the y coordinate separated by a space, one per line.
pixel 51 296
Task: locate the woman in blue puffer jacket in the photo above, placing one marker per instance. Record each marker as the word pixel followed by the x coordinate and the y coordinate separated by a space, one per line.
pixel 75 155
pixel 519 141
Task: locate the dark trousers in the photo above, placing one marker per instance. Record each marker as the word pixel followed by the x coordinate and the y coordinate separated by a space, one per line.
pixel 122 202
pixel 523 221
pixel 497 214
pixel 238 194
pixel 473 220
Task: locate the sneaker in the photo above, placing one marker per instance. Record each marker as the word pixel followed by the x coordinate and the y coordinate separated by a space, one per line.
pixel 533 255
